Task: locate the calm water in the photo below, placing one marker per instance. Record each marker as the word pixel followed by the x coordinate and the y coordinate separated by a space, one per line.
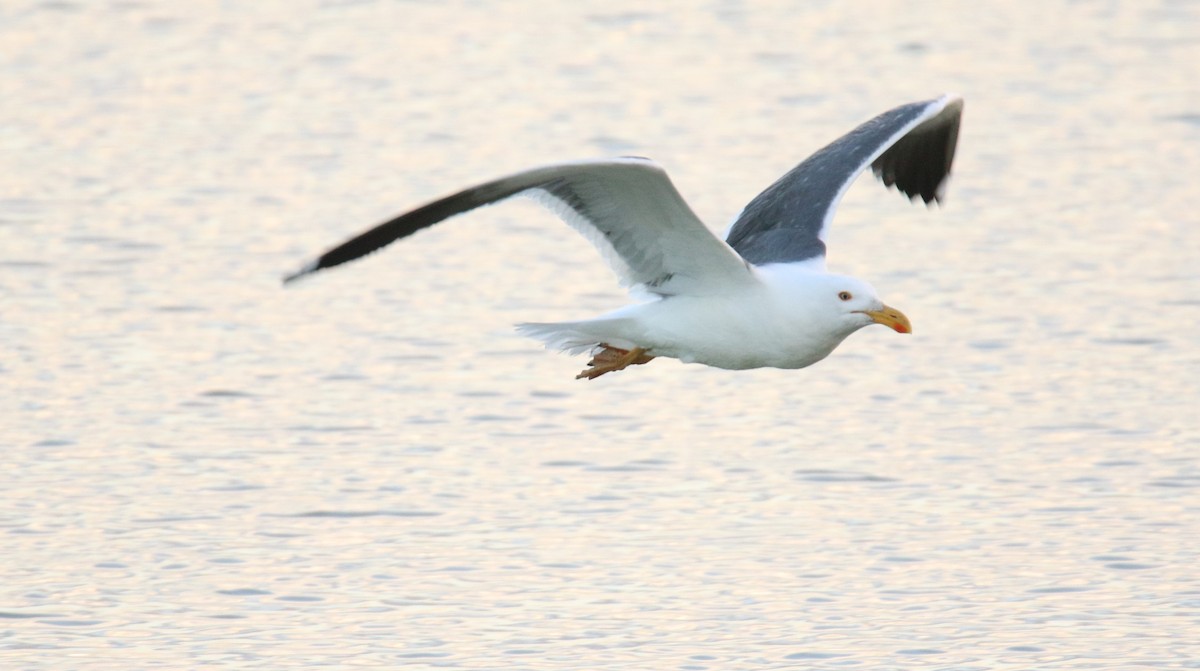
pixel 202 469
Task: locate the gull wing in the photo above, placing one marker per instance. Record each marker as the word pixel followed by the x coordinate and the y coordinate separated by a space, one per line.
pixel 627 208
pixel 910 147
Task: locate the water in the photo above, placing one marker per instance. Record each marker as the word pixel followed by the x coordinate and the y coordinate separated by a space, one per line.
pixel 371 469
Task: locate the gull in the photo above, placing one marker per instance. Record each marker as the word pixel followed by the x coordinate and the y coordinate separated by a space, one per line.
pixel 762 297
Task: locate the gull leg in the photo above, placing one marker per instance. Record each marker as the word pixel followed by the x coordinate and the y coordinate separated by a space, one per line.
pixel 612 359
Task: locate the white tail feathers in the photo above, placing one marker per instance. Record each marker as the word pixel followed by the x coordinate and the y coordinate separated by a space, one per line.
pixel 563 337
pixel 578 337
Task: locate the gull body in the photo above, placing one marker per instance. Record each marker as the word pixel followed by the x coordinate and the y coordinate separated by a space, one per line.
pixel 759 298
pixel 787 318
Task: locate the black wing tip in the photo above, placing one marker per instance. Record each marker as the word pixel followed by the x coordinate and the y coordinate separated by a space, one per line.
pixel 951 102
pixel 930 198
pixel 919 164
pixel 307 269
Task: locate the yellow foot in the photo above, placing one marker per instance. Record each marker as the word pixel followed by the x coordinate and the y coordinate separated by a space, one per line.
pixel 611 359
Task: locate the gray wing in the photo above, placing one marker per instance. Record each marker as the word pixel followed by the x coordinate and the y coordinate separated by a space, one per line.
pixel 910 147
pixel 626 207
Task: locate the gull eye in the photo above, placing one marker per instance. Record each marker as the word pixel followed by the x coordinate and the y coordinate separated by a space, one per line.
pixel 845 295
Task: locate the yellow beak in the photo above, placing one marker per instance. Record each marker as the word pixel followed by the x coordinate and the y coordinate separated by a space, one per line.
pixel 891 318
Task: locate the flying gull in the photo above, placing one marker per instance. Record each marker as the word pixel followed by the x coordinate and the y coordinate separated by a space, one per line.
pixel 760 298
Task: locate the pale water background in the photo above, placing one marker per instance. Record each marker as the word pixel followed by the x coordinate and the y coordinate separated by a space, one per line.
pixel 202 469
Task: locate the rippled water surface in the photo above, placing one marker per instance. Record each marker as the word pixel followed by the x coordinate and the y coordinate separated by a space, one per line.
pixel 370 469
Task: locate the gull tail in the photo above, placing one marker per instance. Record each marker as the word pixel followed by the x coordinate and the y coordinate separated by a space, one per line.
pixel 581 336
